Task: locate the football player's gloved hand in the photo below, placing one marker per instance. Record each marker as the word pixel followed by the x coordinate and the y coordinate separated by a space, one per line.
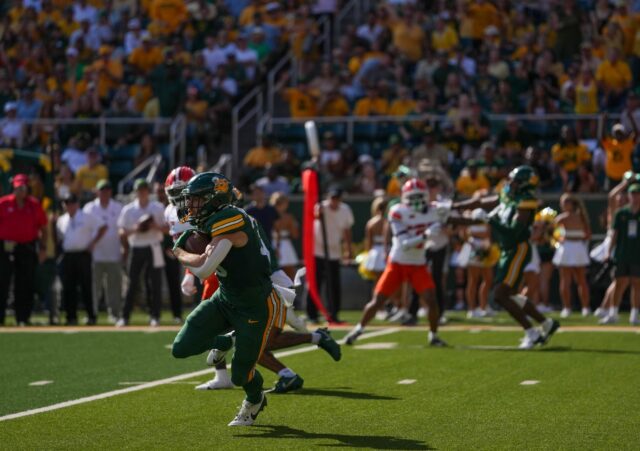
pixel 188 285
pixel 433 229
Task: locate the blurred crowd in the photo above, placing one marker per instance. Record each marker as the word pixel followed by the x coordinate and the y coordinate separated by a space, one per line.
pixel 463 62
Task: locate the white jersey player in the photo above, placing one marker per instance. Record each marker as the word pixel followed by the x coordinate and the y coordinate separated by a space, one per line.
pixel 412 221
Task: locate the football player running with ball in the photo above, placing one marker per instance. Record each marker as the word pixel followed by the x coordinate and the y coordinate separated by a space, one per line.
pixel 510 220
pixel 246 300
pixel 411 221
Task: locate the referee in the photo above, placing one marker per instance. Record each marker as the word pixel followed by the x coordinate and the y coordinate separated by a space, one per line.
pixel 78 233
pixel 23 236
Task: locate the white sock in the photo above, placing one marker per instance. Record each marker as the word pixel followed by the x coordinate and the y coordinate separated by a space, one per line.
pixel 634 311
pixel 222 374
pixel 531 332
pixel 286 373
pixel 432 335
pixel 315 338
pixel 613 311
pixel 359 327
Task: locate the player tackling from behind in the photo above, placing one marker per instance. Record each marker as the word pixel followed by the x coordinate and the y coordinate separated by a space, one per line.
pixel 511 217
pixel 411 221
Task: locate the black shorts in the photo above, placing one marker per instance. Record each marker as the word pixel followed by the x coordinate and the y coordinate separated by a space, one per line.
pixel 627 270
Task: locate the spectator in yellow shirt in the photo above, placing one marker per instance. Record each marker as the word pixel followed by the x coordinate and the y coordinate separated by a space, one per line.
pixel 168 15
pixel 471 180
pixel 619 148
pixel 483 14
pixel 303 101
pixel 614 78
pixel 146 57
pixel 261 156
pixel 87 176
pixel 586 93
pixel 444 37
pixel 568 154
pixel 48 13
pixel 109 72
pixel 333 104
pixel 372 105
pixel 139 94
pixel 408 37
pixel 404 104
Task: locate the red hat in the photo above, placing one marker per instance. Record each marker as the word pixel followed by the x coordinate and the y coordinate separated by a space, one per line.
pixel 20 180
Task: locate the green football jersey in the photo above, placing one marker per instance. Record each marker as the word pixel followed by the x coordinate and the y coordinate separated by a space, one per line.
pixel 244 269
pixel 505 230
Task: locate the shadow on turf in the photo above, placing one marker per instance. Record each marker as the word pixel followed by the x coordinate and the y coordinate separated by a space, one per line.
pixel 353 441
pixel 342 392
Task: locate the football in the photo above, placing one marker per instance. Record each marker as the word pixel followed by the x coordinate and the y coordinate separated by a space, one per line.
pixel 197 243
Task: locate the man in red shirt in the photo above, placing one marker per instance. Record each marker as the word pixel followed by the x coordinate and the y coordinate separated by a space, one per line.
pixel 22 238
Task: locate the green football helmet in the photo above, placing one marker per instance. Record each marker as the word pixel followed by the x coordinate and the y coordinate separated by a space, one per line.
pixel 522 180
pixel 205 194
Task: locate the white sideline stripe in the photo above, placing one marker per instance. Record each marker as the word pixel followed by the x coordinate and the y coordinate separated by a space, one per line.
pixel 529 382
pixel 179 377
pixel 376 346
pixel 407 381
pixel 40 383
pixel 176 383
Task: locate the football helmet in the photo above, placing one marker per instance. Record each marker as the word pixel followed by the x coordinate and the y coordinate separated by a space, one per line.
pixel 176 181
pixel 521 180
pixel 205 194
pixel 414 194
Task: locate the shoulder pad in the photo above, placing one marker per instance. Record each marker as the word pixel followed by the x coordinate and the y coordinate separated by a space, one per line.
pixel 528 203
pixel 226 220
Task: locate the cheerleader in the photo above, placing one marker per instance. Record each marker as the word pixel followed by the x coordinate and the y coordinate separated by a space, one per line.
pixel 572 253
pixel 482 257
pixel 374 242
pixel 285 229
pixel 540 270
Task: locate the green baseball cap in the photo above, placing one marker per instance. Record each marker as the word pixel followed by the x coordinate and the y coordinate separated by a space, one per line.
pixel 140 183
pixel 103 184
pixel 635 188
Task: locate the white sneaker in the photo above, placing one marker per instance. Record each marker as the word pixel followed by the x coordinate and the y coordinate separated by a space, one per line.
pixel 249 412
pixel 609 319
pixel 121 322
pixel 544 308
pixel 216 356
pixel 488 313
pixel 177 320
pixel 112 319
pixel 153 322
pixel 600 313
pixel 217 383
pixel 443 320
pixel 565 313
pixel 586 312
pixel 633 319
pixel 529 341
pixel 475 313
pixel 459 306
pixel 422 312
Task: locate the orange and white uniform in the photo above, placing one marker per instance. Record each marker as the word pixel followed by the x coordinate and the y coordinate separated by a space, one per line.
pixel 407 260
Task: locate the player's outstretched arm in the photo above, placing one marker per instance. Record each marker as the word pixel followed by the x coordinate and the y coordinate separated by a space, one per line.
pixel 486 203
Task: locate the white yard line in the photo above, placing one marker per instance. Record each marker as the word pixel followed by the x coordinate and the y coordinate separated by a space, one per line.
pixel 169 380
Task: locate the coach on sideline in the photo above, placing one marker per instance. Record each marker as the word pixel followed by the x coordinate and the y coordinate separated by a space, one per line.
pixel 142 223
pixel 23 237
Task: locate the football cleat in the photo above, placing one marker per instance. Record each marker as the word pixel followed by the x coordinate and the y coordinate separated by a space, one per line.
pixel 548 329
pixel 352 336
pixel 609 319
pixel 287 384
pixel 529 341
pixel 437 342
pixel 217 356
pixel 329 344
pixel 600 312
pixel 249 412
pixel 217 383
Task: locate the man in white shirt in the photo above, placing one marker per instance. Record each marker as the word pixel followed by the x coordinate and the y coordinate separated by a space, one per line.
pixel 338 219
pixel 83 11
pixel 246 56
pixel 107 257
pixel 141 222
pixel 79 234
pixel 213 54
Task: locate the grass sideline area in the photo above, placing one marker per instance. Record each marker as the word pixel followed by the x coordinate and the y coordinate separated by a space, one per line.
pixel 581 393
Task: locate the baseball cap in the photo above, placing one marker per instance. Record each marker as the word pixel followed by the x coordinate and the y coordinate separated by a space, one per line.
pixel 140 183
pixel 10 106
pixel 20 180
pixel 635 188
pixel 103 184
pixel 618 128
pixel 335 191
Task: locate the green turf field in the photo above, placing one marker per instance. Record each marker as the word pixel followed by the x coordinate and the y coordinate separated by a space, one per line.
pixel 467 396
